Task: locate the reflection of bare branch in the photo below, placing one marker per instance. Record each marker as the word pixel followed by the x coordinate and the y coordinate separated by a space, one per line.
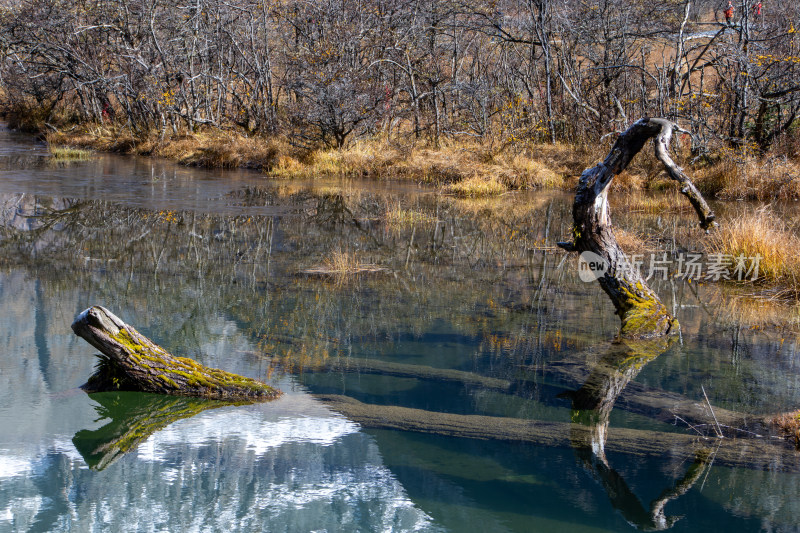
pixel 592 405
pixel 659 519
pixel 717 429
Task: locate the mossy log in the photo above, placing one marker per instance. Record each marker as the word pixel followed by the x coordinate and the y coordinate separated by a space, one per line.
pixel 642 313
pixel 131 361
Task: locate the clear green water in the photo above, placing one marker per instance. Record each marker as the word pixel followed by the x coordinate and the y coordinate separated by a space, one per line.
pixel 469 317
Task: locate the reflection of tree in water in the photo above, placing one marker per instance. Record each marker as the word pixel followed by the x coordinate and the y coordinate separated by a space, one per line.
pixel 591 408
pixel 438 247
pixel 132 418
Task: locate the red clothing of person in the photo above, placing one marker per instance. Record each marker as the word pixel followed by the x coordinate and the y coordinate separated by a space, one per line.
pixel 729 12
pixel 757 9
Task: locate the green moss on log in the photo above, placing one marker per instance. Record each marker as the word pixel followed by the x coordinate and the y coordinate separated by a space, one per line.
pixel 131 361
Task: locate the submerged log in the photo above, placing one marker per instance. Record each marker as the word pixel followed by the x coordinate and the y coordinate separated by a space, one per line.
pixel 661 405
pixel 131 361
pixel 760 454
pixel 642 313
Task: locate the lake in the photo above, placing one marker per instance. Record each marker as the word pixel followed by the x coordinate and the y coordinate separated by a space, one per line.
pixel 444 367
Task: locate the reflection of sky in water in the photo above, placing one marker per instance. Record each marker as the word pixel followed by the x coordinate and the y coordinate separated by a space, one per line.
pixel 286 465
pixel 289 465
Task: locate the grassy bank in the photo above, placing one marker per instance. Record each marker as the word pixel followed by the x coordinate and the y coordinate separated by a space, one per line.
pixel 764 234
pixel 462 168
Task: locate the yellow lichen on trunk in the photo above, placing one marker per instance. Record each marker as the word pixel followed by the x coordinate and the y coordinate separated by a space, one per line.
pixel 643 316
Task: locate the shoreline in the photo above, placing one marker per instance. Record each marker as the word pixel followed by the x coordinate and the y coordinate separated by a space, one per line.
pixel 471 169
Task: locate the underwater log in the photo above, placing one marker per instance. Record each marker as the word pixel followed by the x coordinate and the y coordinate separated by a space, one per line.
pixel 752 453
pixel 130 361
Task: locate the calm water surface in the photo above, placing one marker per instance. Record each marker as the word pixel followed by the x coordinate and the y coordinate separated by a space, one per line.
pixel 463 311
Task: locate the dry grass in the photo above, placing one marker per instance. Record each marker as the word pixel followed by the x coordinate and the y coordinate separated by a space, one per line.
pixel 476 187
pixel 213 149
pixel 366 159
pixel 341 264
pixel 638 202
pixel 741 175
pixel 789 425
pixel 761 233
pixel 103 138
pixel 463 169
pixel 221 150
pixel 66 153
pixel 522 172
pixel 631 242
pixel 567 160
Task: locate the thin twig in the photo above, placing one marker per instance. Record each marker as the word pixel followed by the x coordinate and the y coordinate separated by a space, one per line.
pixel 690 426
pixel 718 429
pixel 742 430
pixel 710 464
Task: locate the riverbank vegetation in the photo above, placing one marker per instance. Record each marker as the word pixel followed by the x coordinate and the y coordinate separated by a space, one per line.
pixel 521 93
pixel 66 153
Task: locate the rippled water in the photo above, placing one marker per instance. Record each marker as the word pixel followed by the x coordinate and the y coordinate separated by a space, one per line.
pixel 463 312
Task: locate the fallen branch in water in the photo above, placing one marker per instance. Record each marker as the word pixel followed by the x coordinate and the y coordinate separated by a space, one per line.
pixel 656 404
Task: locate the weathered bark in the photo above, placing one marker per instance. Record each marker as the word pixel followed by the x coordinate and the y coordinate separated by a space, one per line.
pixel 131 361
pixel 641 311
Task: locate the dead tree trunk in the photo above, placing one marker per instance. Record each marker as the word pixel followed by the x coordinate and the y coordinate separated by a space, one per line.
pixel 641 311
pixel 131 361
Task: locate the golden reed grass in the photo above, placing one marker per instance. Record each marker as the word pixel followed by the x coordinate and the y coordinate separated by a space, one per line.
pixel 761 233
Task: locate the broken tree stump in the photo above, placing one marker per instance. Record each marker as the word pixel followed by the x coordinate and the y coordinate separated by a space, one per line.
pixel 130 361
pixel 642 313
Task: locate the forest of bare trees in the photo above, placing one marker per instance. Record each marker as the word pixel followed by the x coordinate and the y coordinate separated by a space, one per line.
pixel 324 72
